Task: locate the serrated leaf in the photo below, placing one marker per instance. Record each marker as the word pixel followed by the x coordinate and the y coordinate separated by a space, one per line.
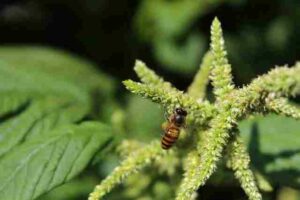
pixel 38 71
pixel 274 147
pixel 43 90
pixel 41 116
pixel 45 162
pixel 53 87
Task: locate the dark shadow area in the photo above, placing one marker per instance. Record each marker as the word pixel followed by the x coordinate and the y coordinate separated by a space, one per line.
pixel 220 193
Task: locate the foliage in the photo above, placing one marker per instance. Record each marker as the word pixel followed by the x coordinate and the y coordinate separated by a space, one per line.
pixel 280 162
pixel 47 92
pixel 163 24
pixel 44 99
pixel 174 28
pixel 44 162
pixel 214 134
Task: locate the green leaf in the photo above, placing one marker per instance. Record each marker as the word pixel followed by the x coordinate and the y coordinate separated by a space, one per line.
pixel 40 164
pixel 42 88
pixel 44 71
pixel 72 190
pixel 274 147
pixel 41 116
pixel 43 92
pixel 56 63
pixel 37 83
pixel 11 102
pixel 38 71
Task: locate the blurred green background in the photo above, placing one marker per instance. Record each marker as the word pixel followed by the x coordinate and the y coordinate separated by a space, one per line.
pixel 170 36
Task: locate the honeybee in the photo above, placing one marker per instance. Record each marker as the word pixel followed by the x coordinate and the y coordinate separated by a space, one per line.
pixel 172 128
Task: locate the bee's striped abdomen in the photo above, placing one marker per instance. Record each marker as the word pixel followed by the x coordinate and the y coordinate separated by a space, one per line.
pixel 172 128
pixel 170 137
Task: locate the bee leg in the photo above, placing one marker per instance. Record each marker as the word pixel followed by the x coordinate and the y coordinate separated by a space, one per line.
pixel 184 125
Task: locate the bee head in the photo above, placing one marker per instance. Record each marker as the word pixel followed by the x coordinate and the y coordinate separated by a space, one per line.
pixel 180 111
pixel 180 116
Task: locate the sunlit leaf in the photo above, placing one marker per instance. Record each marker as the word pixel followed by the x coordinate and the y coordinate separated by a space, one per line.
pixel 45 162
pixel 274 147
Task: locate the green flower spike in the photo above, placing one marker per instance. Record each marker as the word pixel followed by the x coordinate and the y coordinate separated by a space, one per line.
pixel 221 72
pixel 198 87
pixel 239 161
pixel 214 124
pixel 282 107
pixel 135 161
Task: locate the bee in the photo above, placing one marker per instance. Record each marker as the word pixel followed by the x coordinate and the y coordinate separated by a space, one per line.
pixel 172 128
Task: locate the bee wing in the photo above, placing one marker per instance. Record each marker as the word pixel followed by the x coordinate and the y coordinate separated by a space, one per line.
pixel 163 127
